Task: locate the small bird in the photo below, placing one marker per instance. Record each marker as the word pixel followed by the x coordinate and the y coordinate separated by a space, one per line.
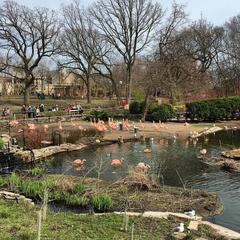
pixel 179 229
pixel 191 213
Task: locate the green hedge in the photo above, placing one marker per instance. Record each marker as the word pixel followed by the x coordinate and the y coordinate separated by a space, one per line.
pixel 162 113
pixel 214 109
pixel 156 112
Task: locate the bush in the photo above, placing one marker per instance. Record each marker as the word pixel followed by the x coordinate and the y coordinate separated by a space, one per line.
pixel 163 113
pixel 136 107
pixel 214 109
pixel 98 115
pixel 102 202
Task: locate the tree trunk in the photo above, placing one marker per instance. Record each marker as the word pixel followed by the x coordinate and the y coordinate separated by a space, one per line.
pixel 117 92
pixel 26 94
pixel 146 105
pixel 89 99
pixel 129 84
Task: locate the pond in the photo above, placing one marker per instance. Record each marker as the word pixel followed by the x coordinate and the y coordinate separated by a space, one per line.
pixel 177 160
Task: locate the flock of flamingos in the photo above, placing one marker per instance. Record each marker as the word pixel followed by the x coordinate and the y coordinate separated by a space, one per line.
pixel 112 125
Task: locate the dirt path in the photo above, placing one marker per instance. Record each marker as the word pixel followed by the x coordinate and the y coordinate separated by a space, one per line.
pixel 167 130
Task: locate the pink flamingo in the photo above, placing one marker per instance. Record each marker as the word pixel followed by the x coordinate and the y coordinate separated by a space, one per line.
pixel 116 162
pixel 203 151
pixel 31 126
pixel 155 126
pixel 143 166
pixel 60 126
pixel 79 162
pixel 13 123
pixel 147 150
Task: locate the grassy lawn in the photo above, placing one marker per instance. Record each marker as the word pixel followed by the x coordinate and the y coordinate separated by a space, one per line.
pixel 19 222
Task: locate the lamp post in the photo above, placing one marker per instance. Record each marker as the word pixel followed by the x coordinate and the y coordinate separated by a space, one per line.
pixel 120 82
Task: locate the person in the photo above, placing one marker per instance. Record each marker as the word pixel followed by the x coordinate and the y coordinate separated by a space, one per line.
pixel 24 109
pixel 37 112
pixel 41 107
pixel 79 108
pixel 29 111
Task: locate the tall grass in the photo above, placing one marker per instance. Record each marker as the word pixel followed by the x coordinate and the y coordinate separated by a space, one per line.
pixel 102 202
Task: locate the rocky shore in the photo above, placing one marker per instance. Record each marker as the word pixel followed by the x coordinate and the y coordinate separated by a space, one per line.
pixel 26 156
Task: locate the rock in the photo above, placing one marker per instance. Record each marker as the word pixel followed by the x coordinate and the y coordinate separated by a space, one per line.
pixel 206 132
pixel 179 236
pixel 230 166
pixel 193 225
pixel 234 154
pixel 17 197
pixel 26 155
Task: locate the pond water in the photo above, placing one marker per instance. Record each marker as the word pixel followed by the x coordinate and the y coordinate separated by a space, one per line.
pixel 177 160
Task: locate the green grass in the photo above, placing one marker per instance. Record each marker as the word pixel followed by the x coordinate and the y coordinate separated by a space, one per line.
pixel 19 222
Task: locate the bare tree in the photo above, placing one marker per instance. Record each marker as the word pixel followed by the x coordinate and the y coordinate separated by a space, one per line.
pixel 26 36
pixel 127 25
pixel 203 41
pixel 228 61
pixel 80 44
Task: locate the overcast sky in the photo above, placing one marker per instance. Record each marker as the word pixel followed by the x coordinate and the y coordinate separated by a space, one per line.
pixel 216 11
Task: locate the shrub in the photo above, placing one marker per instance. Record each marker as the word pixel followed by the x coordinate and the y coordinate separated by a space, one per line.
pixel 136 107
pixel 98 115
pixel 163 113
pixel 214 109
pixel 102 202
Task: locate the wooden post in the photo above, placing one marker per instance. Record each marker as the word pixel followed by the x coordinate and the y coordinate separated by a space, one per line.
pixel 120 139
pixel 132 233
pixel 39 224
pixel 44 207
pixel 126 222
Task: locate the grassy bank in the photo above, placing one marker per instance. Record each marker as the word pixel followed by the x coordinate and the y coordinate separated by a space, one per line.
pixel 134 193
pixel 19 222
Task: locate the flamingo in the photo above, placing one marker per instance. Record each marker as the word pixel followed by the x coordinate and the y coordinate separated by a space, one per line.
pixel 112 125
pixel 203 151
pixel 31 126
pixel 142 125
pixel 60 126
pixel 126 124
pixel 46 126
pixel 143 166
pixel 147 150
pixel 155 126
pixel 13 123
pixel 79 162
pixel 116 162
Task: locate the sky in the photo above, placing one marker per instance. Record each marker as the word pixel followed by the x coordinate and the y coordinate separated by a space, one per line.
pixel 216 11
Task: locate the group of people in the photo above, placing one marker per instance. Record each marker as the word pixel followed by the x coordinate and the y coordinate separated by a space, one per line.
pixel 32 111
pixel 76 107
pixel 6 111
